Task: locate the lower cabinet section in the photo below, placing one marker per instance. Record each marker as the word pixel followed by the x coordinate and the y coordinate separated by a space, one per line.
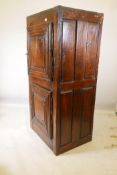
pixel 76 116
pixel 76 108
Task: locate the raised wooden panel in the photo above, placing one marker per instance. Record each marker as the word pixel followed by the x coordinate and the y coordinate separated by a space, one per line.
pixel 80 50
pixel 39 104
pixel 91 50
pixel 87 103
pixel 66 100
pixel 42 109
pixel 86 50
pixel 68 50
pixel 76 121
pixel 40 51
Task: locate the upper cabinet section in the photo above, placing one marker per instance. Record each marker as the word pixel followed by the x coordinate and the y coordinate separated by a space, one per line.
pixel 78 35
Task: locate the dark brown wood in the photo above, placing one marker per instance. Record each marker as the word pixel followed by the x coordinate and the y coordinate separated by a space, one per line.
pixel 63 55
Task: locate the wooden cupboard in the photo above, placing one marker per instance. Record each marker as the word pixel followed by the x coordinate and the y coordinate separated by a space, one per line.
pixel 63 53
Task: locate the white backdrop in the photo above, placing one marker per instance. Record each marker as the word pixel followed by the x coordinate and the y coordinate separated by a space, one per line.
pixel 13 61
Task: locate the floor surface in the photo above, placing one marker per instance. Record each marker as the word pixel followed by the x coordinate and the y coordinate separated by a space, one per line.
pixel 22 152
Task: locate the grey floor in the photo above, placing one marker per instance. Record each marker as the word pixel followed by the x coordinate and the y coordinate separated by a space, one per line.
pixel 22 152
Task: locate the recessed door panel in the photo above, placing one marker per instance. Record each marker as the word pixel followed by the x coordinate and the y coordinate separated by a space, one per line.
pixel 42 109
pixel 41 51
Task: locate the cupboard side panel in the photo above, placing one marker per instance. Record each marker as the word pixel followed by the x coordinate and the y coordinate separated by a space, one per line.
pixel 80 50
pixel 91 50
pixel 66 101
pixel 87 109
pixel 86 50
pixel 68 50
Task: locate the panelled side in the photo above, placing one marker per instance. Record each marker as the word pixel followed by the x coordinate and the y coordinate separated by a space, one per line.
pixel 80 41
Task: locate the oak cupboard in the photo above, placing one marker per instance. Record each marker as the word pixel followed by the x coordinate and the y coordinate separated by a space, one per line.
pixel 63 53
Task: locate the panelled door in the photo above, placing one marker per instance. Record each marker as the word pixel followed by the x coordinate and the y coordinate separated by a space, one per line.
pixel 40 50
pixel 77 80
pixel 40 44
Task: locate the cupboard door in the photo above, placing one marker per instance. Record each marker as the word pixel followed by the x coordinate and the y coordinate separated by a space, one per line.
pixel 42 109
pixel 41 51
